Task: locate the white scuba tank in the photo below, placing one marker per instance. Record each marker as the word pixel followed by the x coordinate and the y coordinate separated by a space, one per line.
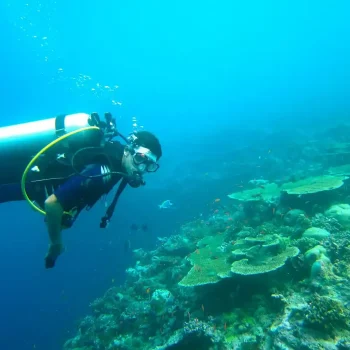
pixel 20 143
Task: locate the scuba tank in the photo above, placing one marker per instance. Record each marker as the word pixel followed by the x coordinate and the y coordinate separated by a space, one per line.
pixel 20 143
pixel 47 148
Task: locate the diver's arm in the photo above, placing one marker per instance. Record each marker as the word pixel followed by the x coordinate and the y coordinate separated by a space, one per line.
pixel 54 213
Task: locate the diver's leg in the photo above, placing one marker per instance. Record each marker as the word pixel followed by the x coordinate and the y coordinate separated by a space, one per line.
pixel 54 214
pixel 65 197
pixel 72 194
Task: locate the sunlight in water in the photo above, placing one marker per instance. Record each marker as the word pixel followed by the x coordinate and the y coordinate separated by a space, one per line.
pixel 37 29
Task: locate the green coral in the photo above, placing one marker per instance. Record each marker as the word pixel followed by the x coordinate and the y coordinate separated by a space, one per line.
pixel 340 170
pixel 263 263
pixel 250 256
pixel 314 184
pixel 305 243
pixel 271 192
pixel 268 193
pixel 316 233
pixel 338 148
pixel 261 255
pixel 195 230
pixel 340 212
pixel 327 314
pixel 314 254
pixel 209 262
pixel 268 228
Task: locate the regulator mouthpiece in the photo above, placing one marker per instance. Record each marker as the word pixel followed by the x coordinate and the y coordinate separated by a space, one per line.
pixel 135 180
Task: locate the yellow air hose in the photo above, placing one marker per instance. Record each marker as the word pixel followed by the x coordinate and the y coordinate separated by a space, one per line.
pixel 30 165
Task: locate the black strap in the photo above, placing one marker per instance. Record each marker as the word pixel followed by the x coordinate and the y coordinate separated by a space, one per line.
pixel 59 125
pixel 109 213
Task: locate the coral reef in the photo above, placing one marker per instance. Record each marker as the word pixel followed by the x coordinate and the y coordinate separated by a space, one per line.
pixel 340 212
pixel 316 233
pixel 270 270
pixel 327 315
pixel 271 192
pixel 209 262
pixel 267 193
pixel 260 255
pixel 314 184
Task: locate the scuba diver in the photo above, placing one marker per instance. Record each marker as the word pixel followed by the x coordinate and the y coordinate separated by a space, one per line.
pixel 82 163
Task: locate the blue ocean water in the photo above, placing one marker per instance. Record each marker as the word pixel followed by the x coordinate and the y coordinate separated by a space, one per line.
pixel 206 77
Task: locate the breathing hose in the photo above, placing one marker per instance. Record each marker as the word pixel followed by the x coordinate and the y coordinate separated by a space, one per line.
pixel 31 163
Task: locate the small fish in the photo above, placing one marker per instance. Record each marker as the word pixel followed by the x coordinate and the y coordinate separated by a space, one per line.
pixel 202 307
pixel 166 204
pixel 217 200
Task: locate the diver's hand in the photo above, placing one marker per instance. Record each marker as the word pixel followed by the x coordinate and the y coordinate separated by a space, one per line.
pixel 55 250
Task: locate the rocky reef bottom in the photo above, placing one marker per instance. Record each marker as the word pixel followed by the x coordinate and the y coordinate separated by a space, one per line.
pixel 219 285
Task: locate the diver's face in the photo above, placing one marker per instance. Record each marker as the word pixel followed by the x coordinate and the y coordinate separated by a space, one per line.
pixel 129 165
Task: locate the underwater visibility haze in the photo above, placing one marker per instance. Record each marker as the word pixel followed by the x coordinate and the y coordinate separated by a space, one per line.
pixel 241 239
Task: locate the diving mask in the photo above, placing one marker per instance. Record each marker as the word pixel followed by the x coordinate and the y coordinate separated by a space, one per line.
pixel 145 160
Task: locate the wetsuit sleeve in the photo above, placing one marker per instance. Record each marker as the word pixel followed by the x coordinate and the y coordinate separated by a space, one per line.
pixel 80 191
pixel 71 193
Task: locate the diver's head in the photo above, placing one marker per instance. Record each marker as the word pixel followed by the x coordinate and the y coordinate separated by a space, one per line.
pixel 141 156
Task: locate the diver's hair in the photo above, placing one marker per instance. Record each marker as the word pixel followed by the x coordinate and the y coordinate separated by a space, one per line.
pixel 150 141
